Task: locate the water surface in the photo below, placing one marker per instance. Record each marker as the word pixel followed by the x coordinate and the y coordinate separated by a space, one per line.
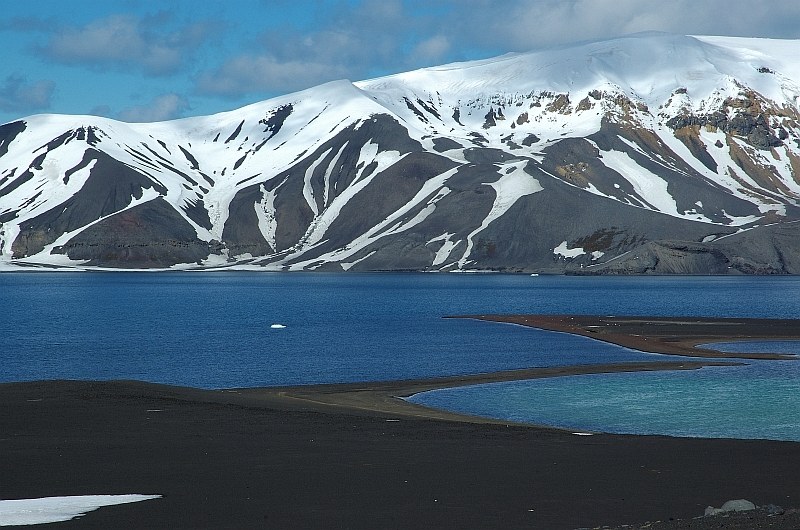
pixel 213 330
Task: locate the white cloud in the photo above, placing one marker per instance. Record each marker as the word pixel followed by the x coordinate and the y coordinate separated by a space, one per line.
pixel 519 25
pixel 432 49
pixel 353 43
pixel 18 95
pixel 353 39
pixel 126 41
pixel 358 40
pixel 161 108
pixel 256 73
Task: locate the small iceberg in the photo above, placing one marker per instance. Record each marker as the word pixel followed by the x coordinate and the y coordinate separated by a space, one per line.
pixel 277 326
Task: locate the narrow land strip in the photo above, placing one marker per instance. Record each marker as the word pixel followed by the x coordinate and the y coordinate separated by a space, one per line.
pixel 387 397
pixel 669 335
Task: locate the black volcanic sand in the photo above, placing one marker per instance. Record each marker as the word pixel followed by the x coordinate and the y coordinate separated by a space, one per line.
pixel 272 459
pixel 355 456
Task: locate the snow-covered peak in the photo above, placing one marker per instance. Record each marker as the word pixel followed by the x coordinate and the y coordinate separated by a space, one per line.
pixel 504 162
pixel 647 66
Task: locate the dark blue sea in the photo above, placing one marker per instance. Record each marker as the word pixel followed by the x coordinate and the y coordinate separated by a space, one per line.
pixel 213 330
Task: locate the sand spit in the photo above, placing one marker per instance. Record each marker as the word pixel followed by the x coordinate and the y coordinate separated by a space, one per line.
pixel 668 335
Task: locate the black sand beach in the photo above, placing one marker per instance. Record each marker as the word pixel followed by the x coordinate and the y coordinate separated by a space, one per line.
pixel 352 456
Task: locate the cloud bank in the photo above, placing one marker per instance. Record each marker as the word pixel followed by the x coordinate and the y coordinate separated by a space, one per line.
pixel 161 108
pixel 143 43
pixel 205 56
pixel 368 38
pixel 17 94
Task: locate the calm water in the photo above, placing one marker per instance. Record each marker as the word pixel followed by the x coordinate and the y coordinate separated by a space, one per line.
pixel 213 330
pixel 761 401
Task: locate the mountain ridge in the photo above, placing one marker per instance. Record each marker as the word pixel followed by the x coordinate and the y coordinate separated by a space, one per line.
pixel 642 154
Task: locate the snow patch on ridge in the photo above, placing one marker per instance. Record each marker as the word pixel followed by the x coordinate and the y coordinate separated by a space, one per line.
pixel 265 213
pixel 514 184
pixel 322 222
pixel 444 251
pixel 565 252
pixel 308 191
pixel 391 225
pixel 649 186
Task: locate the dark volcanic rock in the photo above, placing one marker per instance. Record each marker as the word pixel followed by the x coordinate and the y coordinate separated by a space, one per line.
pixel 111 186
pixel 772 249
pixel 8 133
pixel 754 129
pixel 275 121
pixel 445 144
pixel 668 257
pixel 149 235
pixel 294 219
pixel 241 233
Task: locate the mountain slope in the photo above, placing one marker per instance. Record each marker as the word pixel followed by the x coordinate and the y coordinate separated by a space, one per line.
pixel 646 154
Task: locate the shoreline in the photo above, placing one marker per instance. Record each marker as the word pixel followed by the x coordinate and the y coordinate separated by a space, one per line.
pixel 388 397
pixel 359 456
pixel 680 336
pixel 671 336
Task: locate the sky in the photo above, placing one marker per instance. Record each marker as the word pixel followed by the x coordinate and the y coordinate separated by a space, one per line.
pixel 149 60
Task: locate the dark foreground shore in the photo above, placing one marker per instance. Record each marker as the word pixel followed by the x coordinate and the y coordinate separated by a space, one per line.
pixel 355 456
pixel 336 457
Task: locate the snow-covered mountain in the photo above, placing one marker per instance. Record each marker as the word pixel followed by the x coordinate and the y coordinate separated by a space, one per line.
pixel 649 153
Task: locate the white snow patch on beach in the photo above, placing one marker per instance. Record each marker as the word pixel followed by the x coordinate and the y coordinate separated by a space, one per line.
pixel 58 509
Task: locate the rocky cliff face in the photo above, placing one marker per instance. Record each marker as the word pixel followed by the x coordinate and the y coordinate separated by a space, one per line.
pixel 653 154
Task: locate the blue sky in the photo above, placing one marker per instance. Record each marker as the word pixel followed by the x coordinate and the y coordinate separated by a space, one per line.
pixel 140 60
